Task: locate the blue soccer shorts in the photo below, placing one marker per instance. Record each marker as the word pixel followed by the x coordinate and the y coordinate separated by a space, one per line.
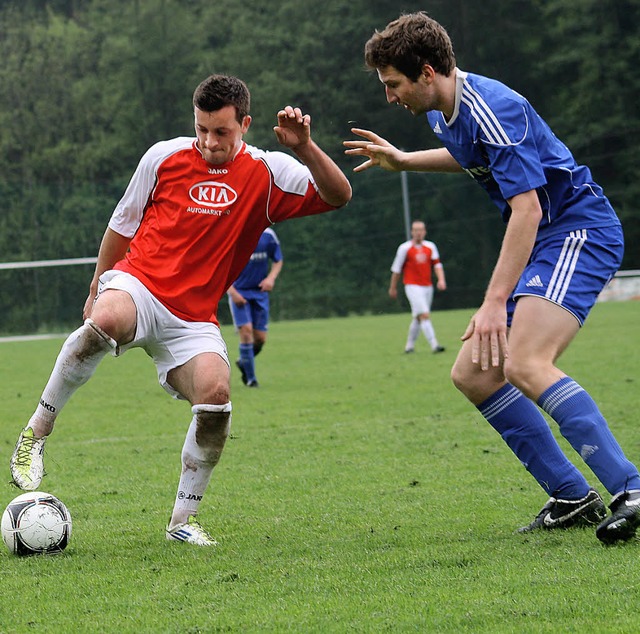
pixel 254 312
pixel 571 269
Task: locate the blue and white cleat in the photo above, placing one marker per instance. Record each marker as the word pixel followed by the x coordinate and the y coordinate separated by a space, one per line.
pixel 190 532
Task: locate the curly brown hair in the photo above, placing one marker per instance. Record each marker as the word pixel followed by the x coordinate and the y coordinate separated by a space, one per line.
pixel 410 42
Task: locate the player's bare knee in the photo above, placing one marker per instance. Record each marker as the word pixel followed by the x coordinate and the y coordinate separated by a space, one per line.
pixel 217 393
pixel 476 385
pixel 520 373
pixel 459 377
pixel 101 334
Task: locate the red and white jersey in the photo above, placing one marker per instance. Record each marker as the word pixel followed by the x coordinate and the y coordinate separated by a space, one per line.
pixel 414 261
pixel 194 225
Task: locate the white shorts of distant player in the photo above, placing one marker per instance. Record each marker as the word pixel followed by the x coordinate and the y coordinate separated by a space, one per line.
pixel 167 339
pixel 420 298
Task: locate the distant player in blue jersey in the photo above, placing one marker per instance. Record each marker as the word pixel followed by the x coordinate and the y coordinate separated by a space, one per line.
pixel 562 244
pixel 249 302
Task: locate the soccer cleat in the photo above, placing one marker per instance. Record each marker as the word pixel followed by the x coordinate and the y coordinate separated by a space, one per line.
pixel 624 519
pixel 190 532
pixel 566 513
pixel 408 350
pixel 27 465
pixel 253 383
pixel 438 349
pixel 243 374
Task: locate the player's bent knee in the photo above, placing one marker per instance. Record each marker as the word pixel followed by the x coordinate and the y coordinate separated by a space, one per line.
pixel 217 394
pixel 459 377
pixel 520 374
pixel 101 333
pixel 476 385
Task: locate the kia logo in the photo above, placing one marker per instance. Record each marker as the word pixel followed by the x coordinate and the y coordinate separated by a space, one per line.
pixel 213 194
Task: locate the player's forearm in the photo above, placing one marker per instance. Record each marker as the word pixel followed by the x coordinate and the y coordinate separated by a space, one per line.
pixel 269 282
pixel 517 245
pixel 112 249
pixel 436 160
pixel 276 267
pixel 333 186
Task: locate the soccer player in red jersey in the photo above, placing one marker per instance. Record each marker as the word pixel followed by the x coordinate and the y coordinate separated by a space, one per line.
pixel 413 261
pixel 186 226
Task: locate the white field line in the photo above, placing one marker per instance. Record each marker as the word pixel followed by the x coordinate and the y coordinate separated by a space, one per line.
pixel 33 337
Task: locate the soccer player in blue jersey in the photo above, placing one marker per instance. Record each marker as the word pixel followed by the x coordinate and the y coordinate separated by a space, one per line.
pixel 562 244
pixel 249 302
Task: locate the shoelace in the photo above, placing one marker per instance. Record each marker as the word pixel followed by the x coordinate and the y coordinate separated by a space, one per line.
pixel 24 451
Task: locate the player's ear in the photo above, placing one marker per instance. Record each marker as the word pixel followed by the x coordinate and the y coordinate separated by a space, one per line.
pixel 428 73
pixel 246 122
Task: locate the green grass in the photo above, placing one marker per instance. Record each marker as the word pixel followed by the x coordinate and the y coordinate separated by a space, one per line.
pixel 359 493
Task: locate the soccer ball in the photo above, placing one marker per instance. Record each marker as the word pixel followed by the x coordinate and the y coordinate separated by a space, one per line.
pixel 36 523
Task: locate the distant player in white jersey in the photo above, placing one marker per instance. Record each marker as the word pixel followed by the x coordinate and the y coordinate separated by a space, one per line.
pixel 413 262
pixel 563 243
pixel 249 302
pixel 184 229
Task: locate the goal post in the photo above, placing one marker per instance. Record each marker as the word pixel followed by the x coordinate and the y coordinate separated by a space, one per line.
pixel 43 296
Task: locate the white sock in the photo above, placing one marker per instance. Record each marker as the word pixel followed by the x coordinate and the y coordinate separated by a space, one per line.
pixel 414 331
pixel 429 333
pixel 77 361
pixel 201 451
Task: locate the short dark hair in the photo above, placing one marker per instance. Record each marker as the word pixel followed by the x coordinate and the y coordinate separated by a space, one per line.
pixel 410 42
pixel 218 91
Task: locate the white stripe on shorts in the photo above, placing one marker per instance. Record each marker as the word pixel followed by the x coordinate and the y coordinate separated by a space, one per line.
pixel 565 266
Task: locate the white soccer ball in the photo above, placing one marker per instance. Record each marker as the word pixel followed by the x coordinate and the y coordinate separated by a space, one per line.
pixel 36 523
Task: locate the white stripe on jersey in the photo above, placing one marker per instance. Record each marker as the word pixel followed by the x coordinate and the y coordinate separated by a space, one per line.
pixel 486 119
pixel 566 265
pixel 272 233
pixel 484 116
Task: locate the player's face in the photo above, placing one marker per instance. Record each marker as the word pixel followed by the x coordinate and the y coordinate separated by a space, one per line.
pixel 219 134
pixel 418 232
pixel 415 96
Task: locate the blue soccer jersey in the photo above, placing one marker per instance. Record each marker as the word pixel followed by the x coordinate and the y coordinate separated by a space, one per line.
pixel 502 142
pixel 268 249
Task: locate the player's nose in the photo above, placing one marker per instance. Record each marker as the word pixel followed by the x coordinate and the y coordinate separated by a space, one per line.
pixel 211 141
pixel 391 98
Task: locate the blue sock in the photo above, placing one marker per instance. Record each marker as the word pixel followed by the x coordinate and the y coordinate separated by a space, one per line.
pixel 582 424
pixel 526 432
pixel 247 361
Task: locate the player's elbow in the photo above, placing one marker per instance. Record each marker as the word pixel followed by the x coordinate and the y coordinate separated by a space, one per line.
pixel 339 196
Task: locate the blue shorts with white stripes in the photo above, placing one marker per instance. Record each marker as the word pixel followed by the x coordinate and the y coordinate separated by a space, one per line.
pixel 570 269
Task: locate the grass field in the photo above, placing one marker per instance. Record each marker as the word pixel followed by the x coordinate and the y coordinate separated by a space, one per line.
pixel 359 493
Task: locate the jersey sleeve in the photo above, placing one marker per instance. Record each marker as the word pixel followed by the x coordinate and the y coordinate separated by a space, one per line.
pixel 507 135
pixel 401 256
pixel 294 193
pixel 274 250
pixel 435 254
pixel 127 215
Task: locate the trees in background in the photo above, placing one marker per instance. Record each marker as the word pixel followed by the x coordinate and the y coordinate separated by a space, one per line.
pixel 86 87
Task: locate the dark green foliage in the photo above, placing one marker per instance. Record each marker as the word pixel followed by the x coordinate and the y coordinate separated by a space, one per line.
pixel 87 87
